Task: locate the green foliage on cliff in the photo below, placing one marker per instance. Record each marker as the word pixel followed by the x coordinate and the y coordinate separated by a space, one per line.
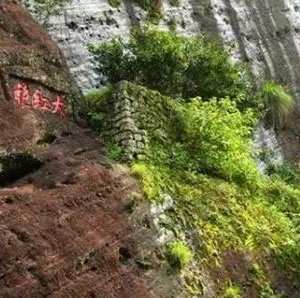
pixel 232 291
pixel 175 66
pixel 279 103
pixel 202 157
pixel 179 255
pixel 212 137
pixel 93 106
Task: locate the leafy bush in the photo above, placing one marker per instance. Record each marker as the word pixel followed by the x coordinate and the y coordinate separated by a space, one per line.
pixel 208 137
pixel 268 292
pixel 279 103
pixel 175 65
pixel 178 255
pixel 95 97
pixel 153 9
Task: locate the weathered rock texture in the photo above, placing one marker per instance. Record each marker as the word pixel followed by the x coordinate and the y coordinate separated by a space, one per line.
pixel 266 33
pixel 29 55
pixel 63 228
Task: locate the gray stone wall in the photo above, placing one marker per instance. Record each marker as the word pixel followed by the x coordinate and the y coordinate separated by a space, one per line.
pixel 130 115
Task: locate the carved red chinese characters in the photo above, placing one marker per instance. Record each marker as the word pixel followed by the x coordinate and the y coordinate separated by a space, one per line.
pixel 21 94
pixel 38 100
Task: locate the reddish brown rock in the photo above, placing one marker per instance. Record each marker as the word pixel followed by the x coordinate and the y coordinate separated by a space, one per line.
pixel 30 59
pixel 29 55
pixel 64 232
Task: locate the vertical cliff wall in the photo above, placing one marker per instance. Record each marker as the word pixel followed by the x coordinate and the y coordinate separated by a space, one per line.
pixel 265 33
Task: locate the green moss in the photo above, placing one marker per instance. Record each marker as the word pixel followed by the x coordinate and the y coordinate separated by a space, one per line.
pixel 231 291
pixel 228 216
pixel 115 152
pixel 178 255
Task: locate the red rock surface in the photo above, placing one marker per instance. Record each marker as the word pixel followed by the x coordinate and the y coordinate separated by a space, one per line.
pixel 64 231
pixel 63 228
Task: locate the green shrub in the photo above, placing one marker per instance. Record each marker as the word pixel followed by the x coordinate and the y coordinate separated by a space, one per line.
pixel 175 65
pixel 115 152
pixel 232 291
pixel 179 255
pixel 285 172
pixel 95 97
pixel 279 103
pixel 208 137
pixel 152 6
pixel 268 292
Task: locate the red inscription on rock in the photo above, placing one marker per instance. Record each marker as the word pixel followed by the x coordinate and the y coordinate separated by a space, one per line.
pixel 38 100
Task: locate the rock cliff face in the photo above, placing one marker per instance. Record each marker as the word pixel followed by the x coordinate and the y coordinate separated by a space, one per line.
pixel 265 33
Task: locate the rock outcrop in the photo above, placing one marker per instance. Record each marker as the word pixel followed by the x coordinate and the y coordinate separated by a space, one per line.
pixel 34 79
